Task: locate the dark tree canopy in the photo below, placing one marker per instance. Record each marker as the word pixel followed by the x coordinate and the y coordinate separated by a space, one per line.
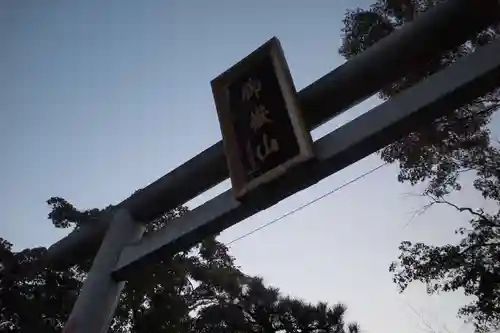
pixel 439 152
pixel 437 155
pixel 199 290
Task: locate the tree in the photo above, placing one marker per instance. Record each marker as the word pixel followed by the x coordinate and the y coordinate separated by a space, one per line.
pixel 437 155
pixel 438 152
pixel 32 301
pixel 471 265
pixel 198 290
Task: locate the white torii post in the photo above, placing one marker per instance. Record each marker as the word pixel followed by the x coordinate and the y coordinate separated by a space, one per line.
pixel 94 308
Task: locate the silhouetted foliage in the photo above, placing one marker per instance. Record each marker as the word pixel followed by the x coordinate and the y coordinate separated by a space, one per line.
pixel 440 151
pixel 199 290
pixel 437 155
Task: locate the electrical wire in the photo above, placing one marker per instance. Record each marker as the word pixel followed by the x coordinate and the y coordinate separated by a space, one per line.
pixel 306 204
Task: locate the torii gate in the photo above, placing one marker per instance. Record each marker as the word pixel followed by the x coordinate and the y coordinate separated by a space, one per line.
pixel 117 239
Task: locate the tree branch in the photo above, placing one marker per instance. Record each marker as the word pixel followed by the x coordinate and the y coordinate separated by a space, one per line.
pixel 496 105
pixel 482 216
pixel 471 247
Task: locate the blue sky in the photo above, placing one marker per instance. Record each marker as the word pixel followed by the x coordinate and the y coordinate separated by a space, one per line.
pixel 99 99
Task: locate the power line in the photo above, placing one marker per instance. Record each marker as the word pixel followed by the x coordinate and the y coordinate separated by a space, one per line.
pixel 306 204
